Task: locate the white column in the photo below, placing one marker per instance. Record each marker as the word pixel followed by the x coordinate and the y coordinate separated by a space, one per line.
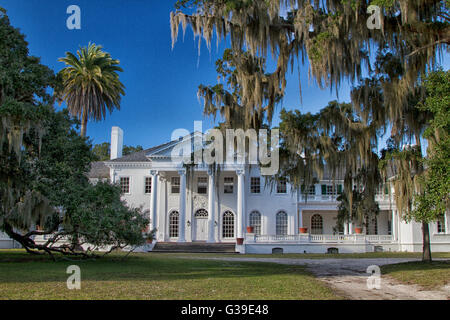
pixel 300 218
pixel 182 206
pixel 211 205
pixel 153 199
pixel 446 223
pixel 350 227
pixel 345 227
pixel 240 203
pixel 393 226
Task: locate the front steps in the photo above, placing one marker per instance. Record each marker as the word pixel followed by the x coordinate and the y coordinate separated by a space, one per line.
pixel 194 247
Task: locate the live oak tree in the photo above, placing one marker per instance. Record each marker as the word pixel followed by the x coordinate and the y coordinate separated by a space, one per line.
pixel 90 84
pixel 334 37
pixel 44 162
pixel 422 183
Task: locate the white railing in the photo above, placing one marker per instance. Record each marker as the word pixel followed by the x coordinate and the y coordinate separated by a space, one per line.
pixel 318 238
pixel 330 198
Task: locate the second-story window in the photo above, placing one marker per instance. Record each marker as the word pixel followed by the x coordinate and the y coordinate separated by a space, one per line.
pixel 228 184
pixel 329 189
pixel 310 190
pixel 202 185
pixel 148 185
pixel 125 184
pixel 175 184
pixel 281 186
pixel 255 185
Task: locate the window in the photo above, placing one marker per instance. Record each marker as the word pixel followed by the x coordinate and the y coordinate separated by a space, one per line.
pixel 175 184
pixel 440 226
pixel 281 223
pixel 201 214
pixel 174 219
pixel 255 185
pixel 255 222
pixel 329 189
pixel 228 225
pixel 202 185
pixel 125 184
pixel 148 185
pixel 310 190
pixel 228 184
pixel 316 224
pixel 281 186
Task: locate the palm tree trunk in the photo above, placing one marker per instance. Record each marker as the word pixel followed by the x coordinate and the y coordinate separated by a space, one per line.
pixel 84 121
pixel 426 251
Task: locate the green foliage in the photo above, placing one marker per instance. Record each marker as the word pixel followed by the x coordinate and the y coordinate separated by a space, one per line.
pixel 433 203
pixel 44 164
pixel 103 151
pixel 90 84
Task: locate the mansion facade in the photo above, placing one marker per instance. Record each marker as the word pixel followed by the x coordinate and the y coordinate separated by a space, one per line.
pixel 235 205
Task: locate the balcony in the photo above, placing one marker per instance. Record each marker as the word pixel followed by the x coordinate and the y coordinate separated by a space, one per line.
pixel 332 198
pixel 318 238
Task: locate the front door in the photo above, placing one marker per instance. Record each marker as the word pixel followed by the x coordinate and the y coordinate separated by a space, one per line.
pixel 201 225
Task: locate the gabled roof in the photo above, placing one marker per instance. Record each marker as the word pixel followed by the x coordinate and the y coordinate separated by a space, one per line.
pixel 162 150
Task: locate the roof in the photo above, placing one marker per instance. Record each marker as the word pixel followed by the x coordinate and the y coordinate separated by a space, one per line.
pixel 98 170
pixel 140 156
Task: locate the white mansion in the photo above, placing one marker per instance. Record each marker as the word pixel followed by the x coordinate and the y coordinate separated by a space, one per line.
pixel 236 206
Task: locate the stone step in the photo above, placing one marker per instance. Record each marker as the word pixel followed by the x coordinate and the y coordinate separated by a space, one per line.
pixel 194 247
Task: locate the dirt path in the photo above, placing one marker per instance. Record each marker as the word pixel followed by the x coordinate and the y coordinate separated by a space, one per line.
pixel 348 278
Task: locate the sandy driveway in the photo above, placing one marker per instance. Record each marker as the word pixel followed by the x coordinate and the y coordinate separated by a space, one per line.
pixel 348 278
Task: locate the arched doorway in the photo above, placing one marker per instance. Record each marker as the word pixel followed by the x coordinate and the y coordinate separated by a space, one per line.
pixel 200 228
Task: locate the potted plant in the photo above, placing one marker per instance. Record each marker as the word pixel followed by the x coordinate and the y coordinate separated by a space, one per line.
pixel 150 236
pixel 250 229
pixel 303 230
pixel 239 241
pixel 358 230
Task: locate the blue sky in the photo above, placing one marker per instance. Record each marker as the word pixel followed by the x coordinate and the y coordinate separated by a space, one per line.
pixel 161 83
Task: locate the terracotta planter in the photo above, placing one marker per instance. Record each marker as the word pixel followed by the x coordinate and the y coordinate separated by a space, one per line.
pixel 358 230
pixel 250 229
pixel 239 241
pixel 303 230
pixel 149 240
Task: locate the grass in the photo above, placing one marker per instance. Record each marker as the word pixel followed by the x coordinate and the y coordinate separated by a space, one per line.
pixel 371 255
pixel 427 275
pixel 154 276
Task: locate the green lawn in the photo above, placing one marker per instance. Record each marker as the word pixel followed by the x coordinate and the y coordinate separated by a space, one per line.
pixel 154 276
pixel 427 275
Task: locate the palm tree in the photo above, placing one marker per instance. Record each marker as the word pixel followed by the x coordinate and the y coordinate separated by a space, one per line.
pixel 89 84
